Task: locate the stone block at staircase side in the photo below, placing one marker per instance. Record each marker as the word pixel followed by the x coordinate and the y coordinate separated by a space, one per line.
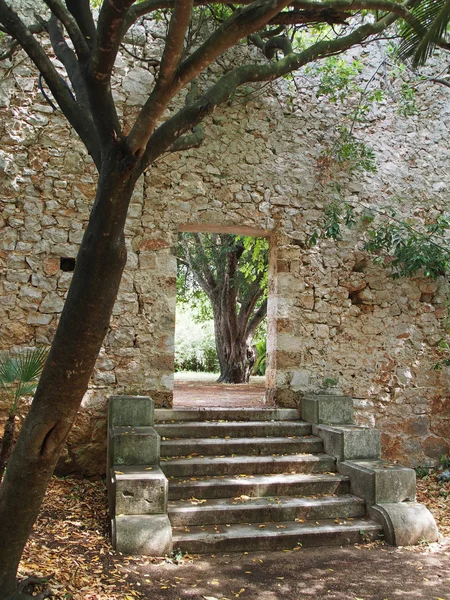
pixel 332 410
pixel 133 446
pixel 139 490
pixel 130 411
pixel 350 442
pixel 405 523
pixel 379 481
pixel 146 535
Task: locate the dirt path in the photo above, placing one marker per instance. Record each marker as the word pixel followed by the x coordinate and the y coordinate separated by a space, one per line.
pixel 355 573
pixel 71 540
pixel 194 394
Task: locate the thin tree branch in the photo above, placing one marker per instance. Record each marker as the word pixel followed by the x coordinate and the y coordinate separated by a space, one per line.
pixel 194 139
pixel 61 13
pixel 248 304
pixel 242 23
pixel 34 28
pixel 68 58
pixel 109 36
pixel 439 80
pixel 81 11
pixel 107 43
pixel 153 62
pixel 11 50
pixel 273 44
pixel 203 275
pixel 174 41
pixel 257 319
pixel 165 84
pixel 305 11
pixel 189 140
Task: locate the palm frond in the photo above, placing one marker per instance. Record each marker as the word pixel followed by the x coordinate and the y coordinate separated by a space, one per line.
pixel 7 369
pixel 20 372
pixel 433 35
pixel 429 21
pixel 30 364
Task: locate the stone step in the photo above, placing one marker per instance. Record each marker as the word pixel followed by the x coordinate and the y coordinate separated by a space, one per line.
pixel 261 510
pixel 223 414
pixel 232 429
pixel 257 486
pixel 274 536
pixel 255 445
pixel 251 465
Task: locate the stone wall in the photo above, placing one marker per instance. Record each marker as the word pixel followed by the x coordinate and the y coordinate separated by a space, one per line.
pixel 336 321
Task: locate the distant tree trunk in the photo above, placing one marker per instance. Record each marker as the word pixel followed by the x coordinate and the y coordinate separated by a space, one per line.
pixel 234 329
pixel 81 330
pixel 234 352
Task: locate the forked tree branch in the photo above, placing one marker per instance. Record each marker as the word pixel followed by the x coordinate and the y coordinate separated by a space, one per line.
pixel 186 118
pixel 173 50
pixel 204 276
pixel 107 44
pixel 241 23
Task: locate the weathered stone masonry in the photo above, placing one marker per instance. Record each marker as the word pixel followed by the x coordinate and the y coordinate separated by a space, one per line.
pixel 335 319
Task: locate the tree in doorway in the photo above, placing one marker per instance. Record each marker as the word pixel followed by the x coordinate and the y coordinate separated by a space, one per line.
pixel 231 271
pixel 285 34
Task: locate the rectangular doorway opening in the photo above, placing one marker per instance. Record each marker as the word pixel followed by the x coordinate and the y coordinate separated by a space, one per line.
pixel 221 318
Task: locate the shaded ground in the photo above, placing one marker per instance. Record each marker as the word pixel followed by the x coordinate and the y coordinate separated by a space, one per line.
pixel 208 393
pixel 71 541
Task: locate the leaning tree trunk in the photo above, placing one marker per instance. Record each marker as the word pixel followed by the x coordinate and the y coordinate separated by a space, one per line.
pixel 7 443
pixel 80 333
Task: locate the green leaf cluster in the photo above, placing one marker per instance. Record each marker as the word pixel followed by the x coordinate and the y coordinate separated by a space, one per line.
pixel 346 153
pixel 408 251
pixel 337 78
pixel 259 368
pixel 336 215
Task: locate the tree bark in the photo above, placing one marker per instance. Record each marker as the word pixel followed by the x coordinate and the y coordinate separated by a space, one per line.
pixel 233 346
pixel 7 443
pixel 80 333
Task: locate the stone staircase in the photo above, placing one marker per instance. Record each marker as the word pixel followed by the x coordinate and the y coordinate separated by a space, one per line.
pixel 254 479
pixel 223 480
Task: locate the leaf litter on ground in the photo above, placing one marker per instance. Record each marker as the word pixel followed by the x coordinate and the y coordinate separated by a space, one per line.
pixel 71 541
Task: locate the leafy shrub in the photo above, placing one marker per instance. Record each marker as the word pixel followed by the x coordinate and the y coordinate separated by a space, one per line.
pixel 195 348
pixel 259 367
